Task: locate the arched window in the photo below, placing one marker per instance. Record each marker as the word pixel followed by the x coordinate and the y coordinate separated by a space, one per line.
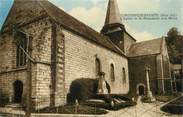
pixel 112 74
pixel 124 75
pixel 21 42
pixel 98 66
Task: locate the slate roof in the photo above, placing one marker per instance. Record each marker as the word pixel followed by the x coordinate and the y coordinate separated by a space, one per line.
pixel 113 15
pixel 27 11
pixel 143 48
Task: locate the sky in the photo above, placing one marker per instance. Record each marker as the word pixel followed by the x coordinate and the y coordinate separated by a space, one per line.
pixel 93 12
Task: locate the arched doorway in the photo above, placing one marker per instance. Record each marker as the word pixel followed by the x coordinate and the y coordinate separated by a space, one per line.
pixel 141 90
pixel 18 90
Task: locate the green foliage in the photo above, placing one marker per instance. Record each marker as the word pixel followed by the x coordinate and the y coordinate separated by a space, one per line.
pixel 175 48
pixel 3 101
pixel 173 33
pixel 83 89
pixel 175 107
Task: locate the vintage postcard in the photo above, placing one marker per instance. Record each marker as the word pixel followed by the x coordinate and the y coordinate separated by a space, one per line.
pixel 91 58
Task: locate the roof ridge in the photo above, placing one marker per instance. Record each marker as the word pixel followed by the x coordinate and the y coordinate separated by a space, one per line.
pixel 39 2
pixel 11 10
pixel 148 40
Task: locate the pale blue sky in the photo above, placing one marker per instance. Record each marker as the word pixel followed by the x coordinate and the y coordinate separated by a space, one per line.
pixel 92 13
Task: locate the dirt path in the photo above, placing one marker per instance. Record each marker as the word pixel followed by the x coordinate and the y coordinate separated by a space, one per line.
pixel 144 110
pixel 140 110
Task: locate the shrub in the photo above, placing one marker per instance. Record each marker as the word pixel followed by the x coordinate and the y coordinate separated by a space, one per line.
pixel 83 89
pixel 3 101
pixel 175 107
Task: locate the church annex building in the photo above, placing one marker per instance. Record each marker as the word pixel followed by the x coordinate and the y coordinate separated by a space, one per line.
pixel 63 49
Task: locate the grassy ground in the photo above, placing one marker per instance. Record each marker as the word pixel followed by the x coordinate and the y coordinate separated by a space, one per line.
pixel 3 115
pixel 166 97
pixel 72 109
pixel 175 107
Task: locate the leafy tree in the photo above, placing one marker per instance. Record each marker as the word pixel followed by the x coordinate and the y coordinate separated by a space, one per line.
pixel 173 32
pixel 174 42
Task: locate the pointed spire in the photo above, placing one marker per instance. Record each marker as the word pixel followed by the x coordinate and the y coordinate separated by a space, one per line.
pixel 113 17
pixel 113 14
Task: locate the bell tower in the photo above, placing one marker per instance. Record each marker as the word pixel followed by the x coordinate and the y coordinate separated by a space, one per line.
pixel 113 27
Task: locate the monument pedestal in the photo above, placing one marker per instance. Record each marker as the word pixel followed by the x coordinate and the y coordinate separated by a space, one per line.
pixel 149 97
pixel 102 86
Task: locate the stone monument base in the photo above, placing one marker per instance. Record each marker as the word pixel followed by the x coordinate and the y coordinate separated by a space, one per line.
pixel 149 98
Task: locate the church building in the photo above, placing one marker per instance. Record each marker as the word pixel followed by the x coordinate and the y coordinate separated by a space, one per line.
pixel 62 49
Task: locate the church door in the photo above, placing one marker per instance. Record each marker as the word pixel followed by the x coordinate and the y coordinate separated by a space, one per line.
pixel 18 90
pixel 141 90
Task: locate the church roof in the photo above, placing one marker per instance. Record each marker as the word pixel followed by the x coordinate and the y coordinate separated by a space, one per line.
pixel 143 48
pixel 113 21
pixel 113 15
pixel 23 12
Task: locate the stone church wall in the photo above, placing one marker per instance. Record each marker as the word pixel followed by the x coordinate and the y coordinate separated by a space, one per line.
pixel 128 41
pixel 159 73
pixel 137 72
pixel 8 71
pixel 7 52
pixel 182 67
pixel 80 56
pixel 40 32
pixel 6 87
pixel 60 94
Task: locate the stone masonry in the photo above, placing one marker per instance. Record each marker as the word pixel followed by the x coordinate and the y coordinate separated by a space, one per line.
pixel 64 49
pixel 41 34
pixel 80 56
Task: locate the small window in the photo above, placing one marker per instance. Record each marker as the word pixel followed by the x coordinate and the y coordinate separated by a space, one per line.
pixel 124 75
pixel 21 46
pixel 98 66
pixel 112 74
